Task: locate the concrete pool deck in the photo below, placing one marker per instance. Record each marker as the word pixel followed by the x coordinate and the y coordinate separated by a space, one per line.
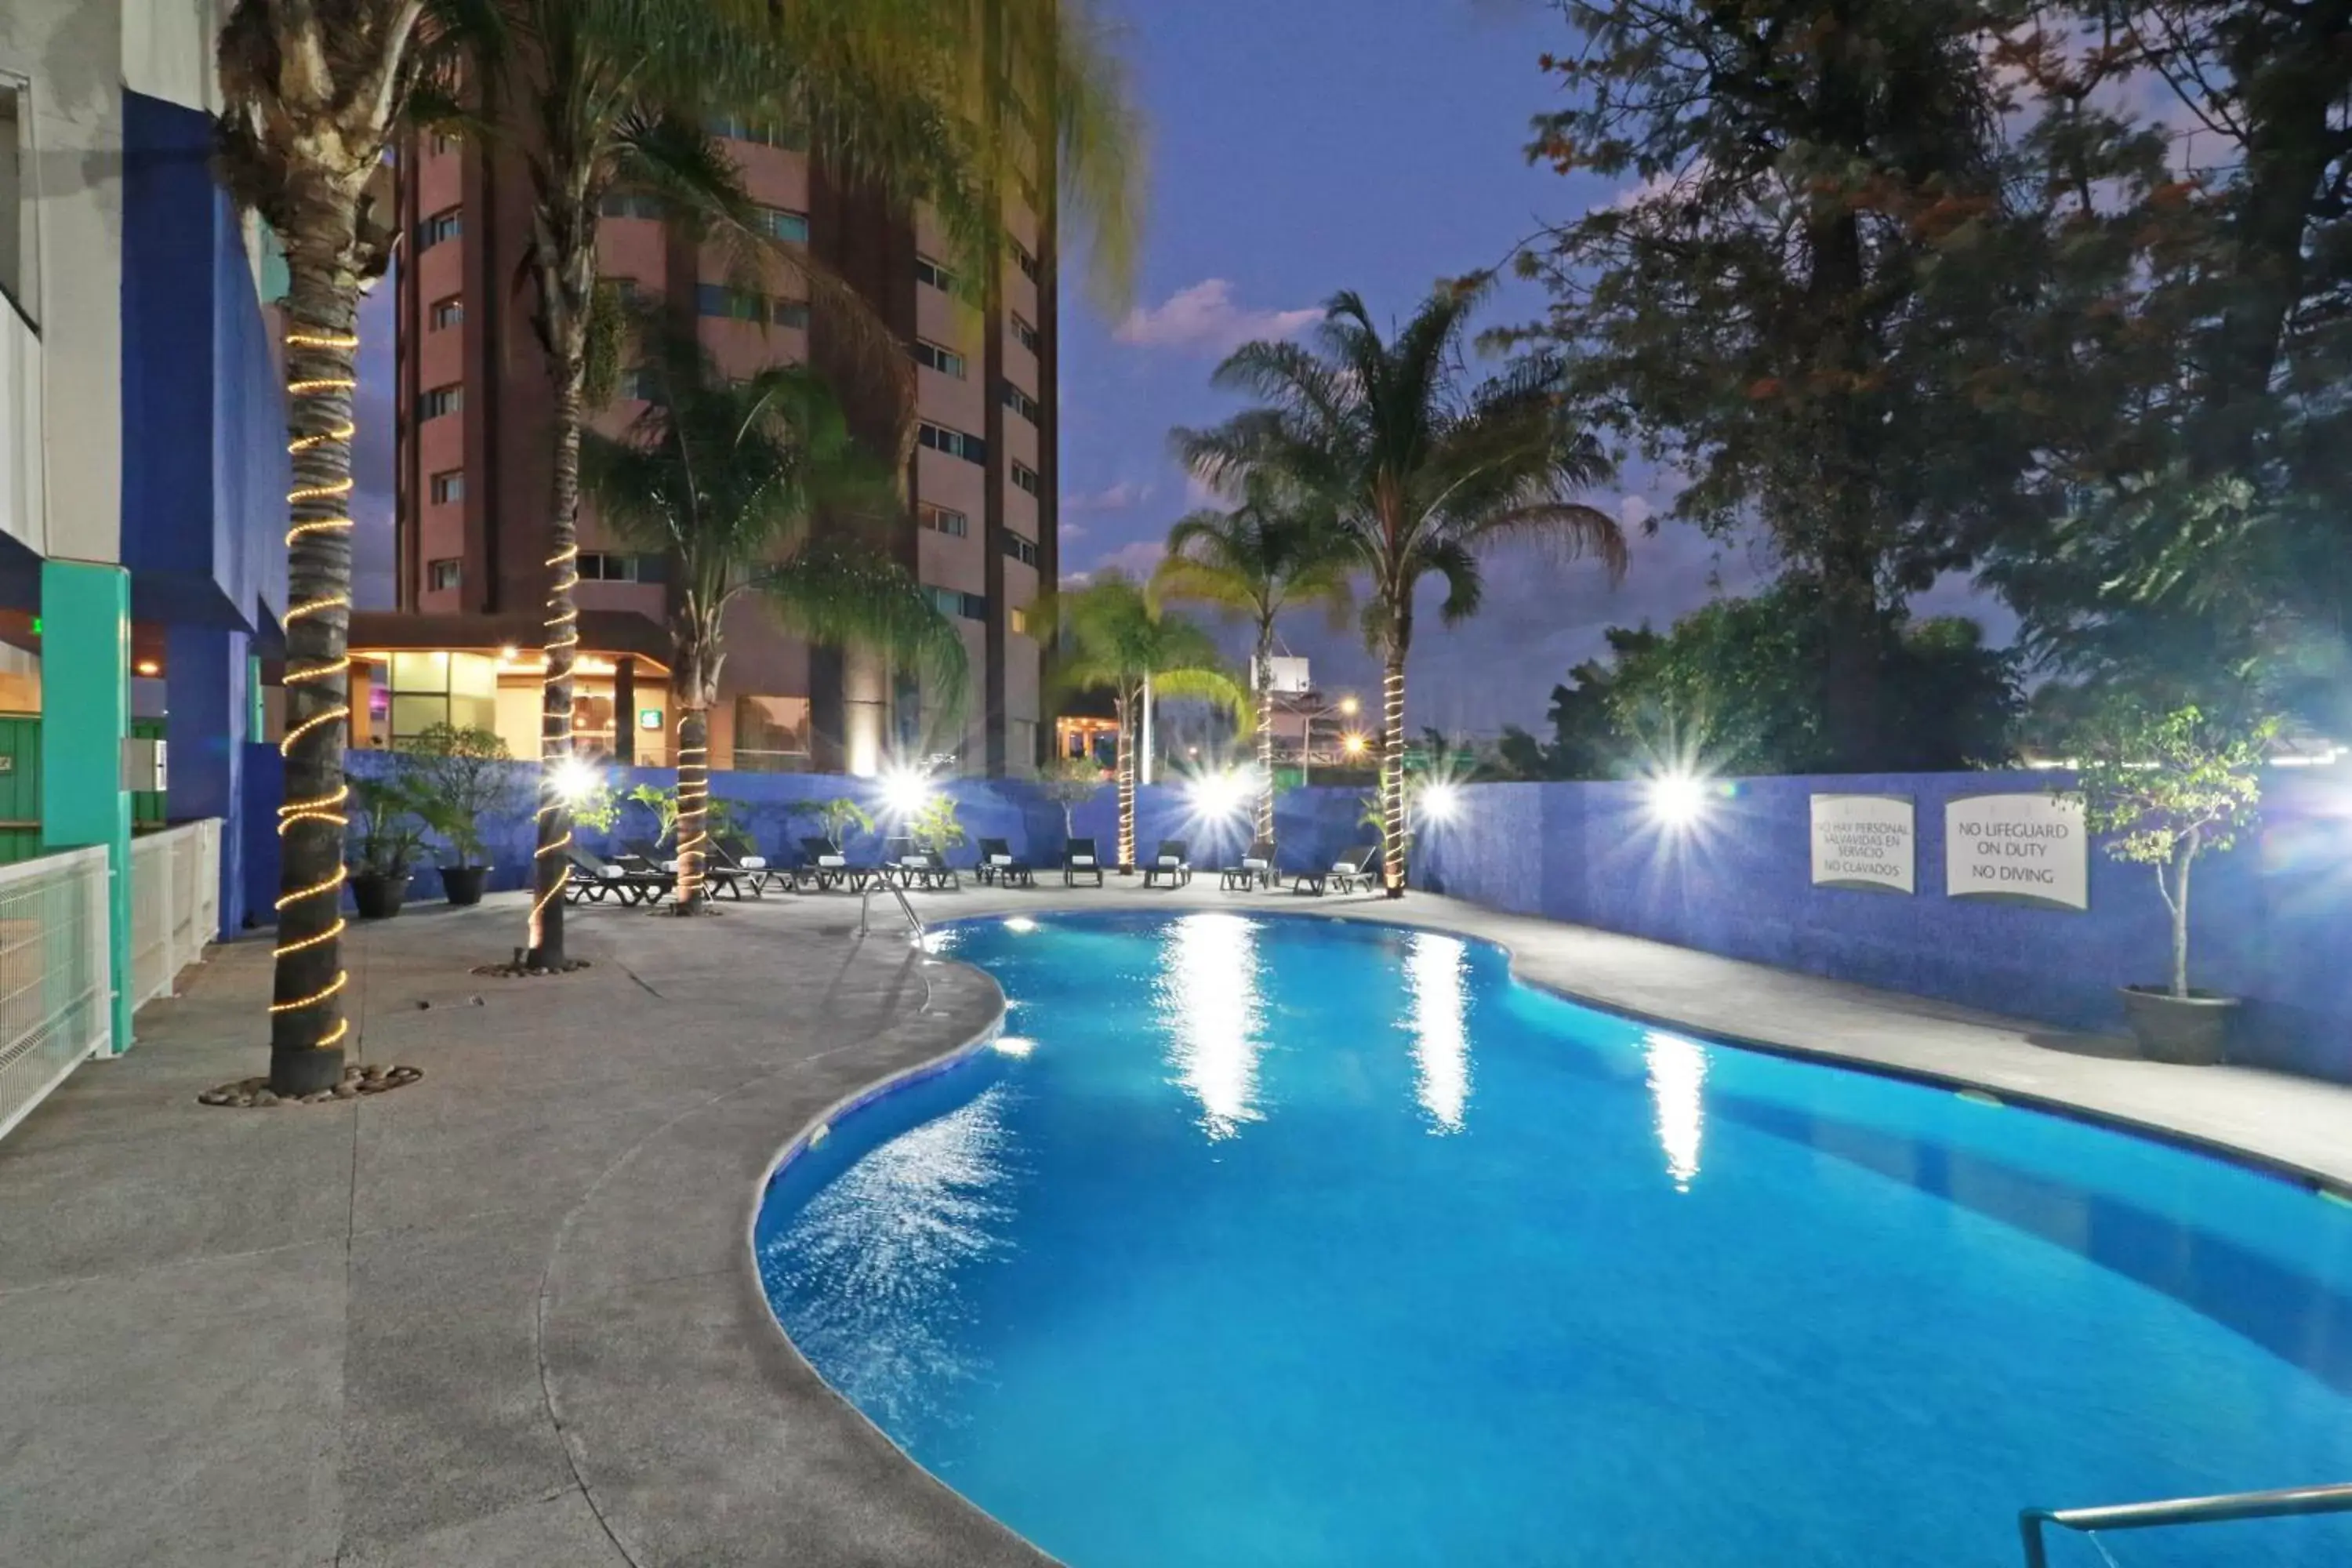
pixel 508 1316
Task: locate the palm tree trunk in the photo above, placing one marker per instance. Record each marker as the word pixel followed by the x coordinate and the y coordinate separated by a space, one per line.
pixel 693 799
pixel 1392 822
pixel 306 1016
pixel 551 866
pixel 1266 731
pixel 1128 710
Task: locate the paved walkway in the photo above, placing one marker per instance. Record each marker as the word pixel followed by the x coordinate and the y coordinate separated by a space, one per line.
pixel 509 1317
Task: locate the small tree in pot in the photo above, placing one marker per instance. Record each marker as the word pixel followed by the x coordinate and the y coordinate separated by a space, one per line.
pixel 460 778
pixel 387 833
pixel 1070 784
pixel 2165 789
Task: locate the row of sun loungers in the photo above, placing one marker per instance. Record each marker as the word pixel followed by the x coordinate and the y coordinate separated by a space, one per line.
pixel 639 874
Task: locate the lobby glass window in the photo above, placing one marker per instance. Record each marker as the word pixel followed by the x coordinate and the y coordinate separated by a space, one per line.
pixel 436 686
pixel 771 734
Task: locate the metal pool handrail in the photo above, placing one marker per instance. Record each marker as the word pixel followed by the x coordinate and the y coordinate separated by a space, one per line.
pixel 866 902
pixel 2282 1503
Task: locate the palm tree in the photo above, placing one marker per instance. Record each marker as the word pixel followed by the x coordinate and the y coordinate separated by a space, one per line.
pixel 1114 638
pixel 1271 553
pixel 1421 469
pixel 912 99
pixel 311 97
pixel 725 478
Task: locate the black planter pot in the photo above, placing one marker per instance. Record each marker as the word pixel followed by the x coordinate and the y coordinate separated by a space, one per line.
pixel 379 894
pixel 2188 1031
pixel 463 884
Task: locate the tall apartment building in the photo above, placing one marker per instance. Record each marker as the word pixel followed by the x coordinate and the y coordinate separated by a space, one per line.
pixel 474 446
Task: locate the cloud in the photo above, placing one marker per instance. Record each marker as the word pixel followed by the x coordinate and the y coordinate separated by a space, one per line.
pixel 1633 511
pixel 1121 497
pixel 1203 320
pixel 1135 560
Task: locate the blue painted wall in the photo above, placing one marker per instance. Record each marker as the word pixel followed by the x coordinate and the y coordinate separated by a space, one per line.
pixel 2271 919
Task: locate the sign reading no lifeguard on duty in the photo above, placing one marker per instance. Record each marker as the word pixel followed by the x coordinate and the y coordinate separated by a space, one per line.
pixel 2018 849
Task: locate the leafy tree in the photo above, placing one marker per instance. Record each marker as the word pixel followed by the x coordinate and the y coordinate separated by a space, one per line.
pixel 461 777
pixel 1070 784
pixel 1802 306
pixel 311 96
pixel 1114 638
pixel 2166 788
pixel 725 478
pixel 836 816
pixel 1735 688
pixel 936 828
pixel 1421 469
pixel 1271 553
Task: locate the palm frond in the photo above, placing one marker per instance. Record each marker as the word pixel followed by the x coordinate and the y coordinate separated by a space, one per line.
pixel 837 594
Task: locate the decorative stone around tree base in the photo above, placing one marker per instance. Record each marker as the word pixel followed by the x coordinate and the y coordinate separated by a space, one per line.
pixel 358 1079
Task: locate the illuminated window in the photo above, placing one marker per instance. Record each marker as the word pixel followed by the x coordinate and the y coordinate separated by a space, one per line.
pixel 447 313
pixel 771 734
pixel 448 486
pixel 1018 619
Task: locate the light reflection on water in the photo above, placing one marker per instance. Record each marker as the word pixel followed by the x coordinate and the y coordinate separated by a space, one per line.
pixel 877 1254
pixel 1678 1090
pixel 1436 973
pixel 1208 1002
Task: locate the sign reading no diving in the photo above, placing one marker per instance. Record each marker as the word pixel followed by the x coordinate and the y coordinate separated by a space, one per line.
pixel 2018 849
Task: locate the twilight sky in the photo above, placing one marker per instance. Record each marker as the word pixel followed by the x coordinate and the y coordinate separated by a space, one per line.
pixel 1298 148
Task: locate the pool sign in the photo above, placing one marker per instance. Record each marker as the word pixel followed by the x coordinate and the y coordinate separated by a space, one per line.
pixel 2018 849
pixel 1866 842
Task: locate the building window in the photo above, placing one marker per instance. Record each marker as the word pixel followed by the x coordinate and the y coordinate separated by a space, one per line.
pixel 442 141
pixel 956 602
pixel 632 203
pixel 765 133
pixel 1027 260
pixel 1024 551
pixel 437 687
pixel 943 520
pixel 1020 403
pixel 746 305
pixel 447 313
pixel 1017 618
pixel 1025 335
pixel 441 574
pixel 638 382
pixel 782 223
pixel 1025 478
pixel 440 400
pixel 446 224
pixel 448 485
pixel 612 566
pixel 771 734
pixel 954 443
pixel 946 362
pixel 929 271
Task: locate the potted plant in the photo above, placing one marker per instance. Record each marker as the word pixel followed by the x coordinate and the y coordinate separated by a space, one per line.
pixel 2165 789
pixel 837 816
pixel 1070 784
pixel 935 829
pixel 460 777
pixel 386 834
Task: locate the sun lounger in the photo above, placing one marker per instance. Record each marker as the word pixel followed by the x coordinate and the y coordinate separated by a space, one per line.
pixel 1169 865
pixel 1081 859
pixel 1349 872
pixel 999 864
pixel 1255 869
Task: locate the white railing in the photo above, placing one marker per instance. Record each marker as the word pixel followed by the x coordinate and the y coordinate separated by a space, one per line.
pixel 174 904
pixel 54 984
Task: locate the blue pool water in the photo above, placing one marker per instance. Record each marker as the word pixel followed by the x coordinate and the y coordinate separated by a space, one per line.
pixel 1301 1242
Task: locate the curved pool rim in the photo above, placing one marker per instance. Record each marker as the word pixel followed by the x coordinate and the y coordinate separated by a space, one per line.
pixel 820 1127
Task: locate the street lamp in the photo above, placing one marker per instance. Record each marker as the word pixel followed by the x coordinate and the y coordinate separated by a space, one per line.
pixel 1352 742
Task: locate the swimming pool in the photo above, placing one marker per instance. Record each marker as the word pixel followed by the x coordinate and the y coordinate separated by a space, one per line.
pixel 1285 1240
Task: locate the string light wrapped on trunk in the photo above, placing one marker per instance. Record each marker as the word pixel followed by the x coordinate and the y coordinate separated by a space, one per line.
pixel 693 807
pixel 328 807
pixel 555 745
